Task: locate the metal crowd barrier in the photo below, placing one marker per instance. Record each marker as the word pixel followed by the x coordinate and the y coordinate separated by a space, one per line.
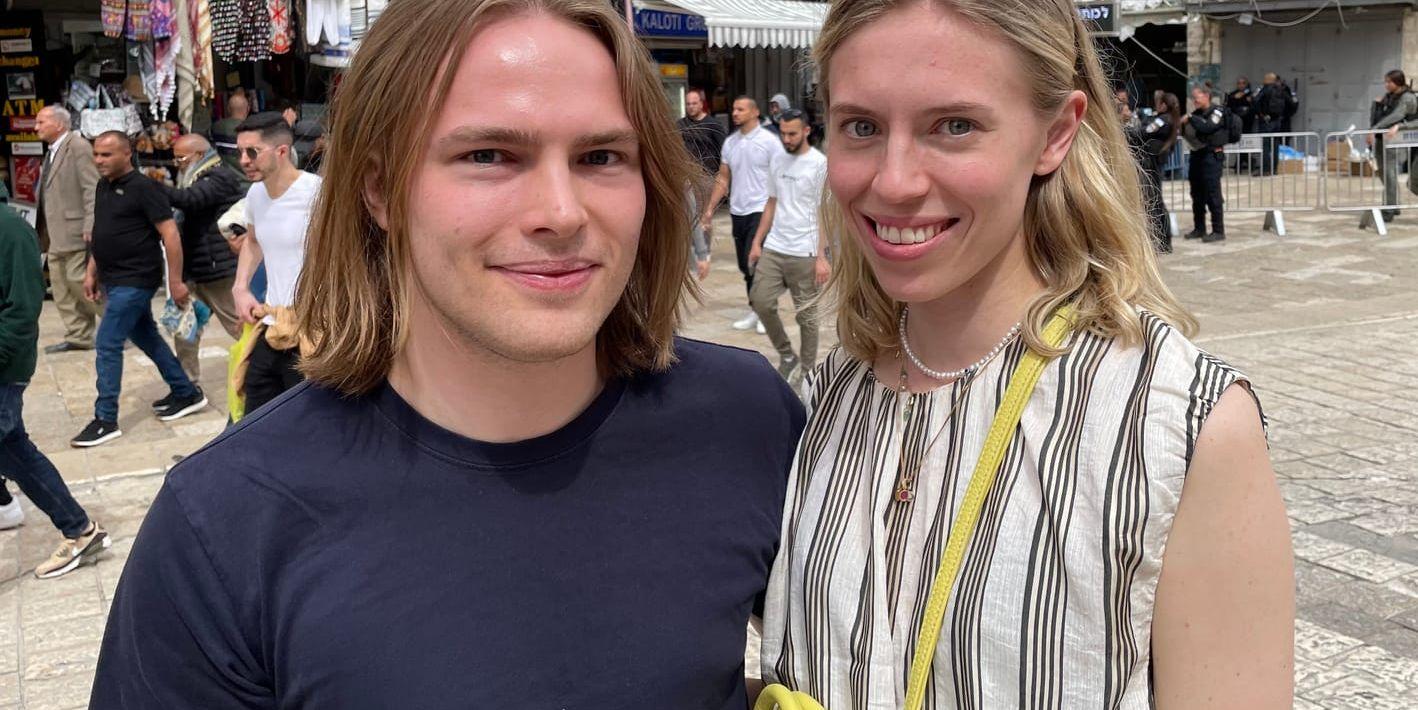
pixel 1364 173
pixel 1272 173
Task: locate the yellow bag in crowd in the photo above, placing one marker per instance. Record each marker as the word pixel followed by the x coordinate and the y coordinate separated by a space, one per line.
pixel 240 354
pixel 1026 375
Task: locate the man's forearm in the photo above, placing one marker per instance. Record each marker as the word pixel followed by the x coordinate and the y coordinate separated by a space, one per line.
pixel 765 223
pixel 172 244
pixel 247 261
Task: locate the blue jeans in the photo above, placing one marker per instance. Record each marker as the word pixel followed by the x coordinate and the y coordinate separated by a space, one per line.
pixel 258 283
pixel 129 316
pixel 22 463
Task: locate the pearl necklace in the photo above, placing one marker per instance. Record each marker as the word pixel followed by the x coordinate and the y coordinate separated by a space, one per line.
pixel 953 374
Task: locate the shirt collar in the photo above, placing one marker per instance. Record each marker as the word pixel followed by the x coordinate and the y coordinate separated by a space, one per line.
pixel 54 147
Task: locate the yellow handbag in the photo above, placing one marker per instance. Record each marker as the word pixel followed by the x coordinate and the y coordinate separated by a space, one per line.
pixel 1011 408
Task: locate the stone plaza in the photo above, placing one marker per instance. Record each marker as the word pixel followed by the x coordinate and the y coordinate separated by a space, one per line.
pixel 1324 320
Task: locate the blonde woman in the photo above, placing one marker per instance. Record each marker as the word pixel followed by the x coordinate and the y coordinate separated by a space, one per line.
pixel 1133 549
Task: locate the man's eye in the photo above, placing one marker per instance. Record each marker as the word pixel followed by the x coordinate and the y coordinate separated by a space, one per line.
pixel 485 157
pixel 860 128
pixel 602 157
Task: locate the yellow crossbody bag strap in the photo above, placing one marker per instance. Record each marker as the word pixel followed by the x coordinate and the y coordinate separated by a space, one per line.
pixel 1011 408
pixel 996 444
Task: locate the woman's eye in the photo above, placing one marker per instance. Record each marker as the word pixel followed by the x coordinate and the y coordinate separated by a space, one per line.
pixel 859 128
pixel 602 157
pixel 958 127
pixel 485 157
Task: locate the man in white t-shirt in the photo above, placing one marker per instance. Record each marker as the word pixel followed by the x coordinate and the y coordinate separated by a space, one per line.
pixel 787 248
pixel 278 208
pixel 743 175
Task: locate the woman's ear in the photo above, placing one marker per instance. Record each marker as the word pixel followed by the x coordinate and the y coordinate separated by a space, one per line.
pixel 1061 133
pixel 375 198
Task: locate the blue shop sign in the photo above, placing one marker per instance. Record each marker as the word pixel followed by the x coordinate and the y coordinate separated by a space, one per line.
pixel 657 23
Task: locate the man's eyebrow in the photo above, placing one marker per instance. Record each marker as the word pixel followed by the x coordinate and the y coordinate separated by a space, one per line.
pixel 521 138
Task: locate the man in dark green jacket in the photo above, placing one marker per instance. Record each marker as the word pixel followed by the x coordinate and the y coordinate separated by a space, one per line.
pixel 21 297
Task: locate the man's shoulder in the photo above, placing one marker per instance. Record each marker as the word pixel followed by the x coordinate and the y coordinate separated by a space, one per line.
pixel 714 372
pixel 295 437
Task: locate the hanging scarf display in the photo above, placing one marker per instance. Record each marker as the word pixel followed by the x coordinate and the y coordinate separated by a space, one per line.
pixel 112 13
pixel 241 30
pixel 186 71
pixel 200 15
pixel 126 18
pixel 165 53
pixel 280 26
pixel 162 19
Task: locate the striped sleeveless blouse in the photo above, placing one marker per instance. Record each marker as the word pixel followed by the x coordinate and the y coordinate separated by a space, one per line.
pixel 1053 604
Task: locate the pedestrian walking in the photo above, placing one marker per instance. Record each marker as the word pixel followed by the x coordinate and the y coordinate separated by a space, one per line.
pixel 21 299
pixel 502 438
pixel 703 134
pixel 205 189
pixel 1207 131
pixel 743 177
pixel 66 224
pixel 1396 106
pixel 987 509
pixel 776 106
pixel 238 109
pixel 278 213
pixel 787 253
pixel 133 230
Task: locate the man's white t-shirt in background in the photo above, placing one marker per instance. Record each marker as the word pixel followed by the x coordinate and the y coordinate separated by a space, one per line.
pixel 280 226
pixel 749 158
pixel 796 182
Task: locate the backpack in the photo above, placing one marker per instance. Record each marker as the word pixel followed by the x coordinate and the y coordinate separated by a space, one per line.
pixel 1276 102
pixel 1234 127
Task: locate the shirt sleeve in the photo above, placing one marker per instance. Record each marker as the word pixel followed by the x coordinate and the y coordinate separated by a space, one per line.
pixel 248 204
pixel 174 639
pixel 155 204
pixel 773 177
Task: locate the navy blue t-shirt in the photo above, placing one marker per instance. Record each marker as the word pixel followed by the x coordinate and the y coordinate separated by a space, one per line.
pixel 344 553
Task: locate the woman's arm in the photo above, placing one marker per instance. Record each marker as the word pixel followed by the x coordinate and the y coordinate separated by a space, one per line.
pixel 1223 630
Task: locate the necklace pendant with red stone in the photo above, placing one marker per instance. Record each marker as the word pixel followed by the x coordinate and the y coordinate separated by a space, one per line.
pixel 904 495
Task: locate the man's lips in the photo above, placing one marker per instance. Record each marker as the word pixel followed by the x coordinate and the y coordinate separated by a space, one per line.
pixel 550 276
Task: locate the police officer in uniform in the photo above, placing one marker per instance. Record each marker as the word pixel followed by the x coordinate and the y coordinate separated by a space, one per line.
pixel 1153 141
pixel 1206 134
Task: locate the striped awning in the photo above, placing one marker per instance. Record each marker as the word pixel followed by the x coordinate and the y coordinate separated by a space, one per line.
pixel 758 23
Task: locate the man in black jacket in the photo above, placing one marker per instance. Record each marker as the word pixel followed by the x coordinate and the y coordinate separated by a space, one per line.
pixel 206 189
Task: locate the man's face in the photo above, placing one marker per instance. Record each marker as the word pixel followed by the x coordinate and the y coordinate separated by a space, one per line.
pixel 745 113
pixel 186 155
pixel 1242 84
pixel 693 105
pixel 47 127
pixel 1120 97
pixel 524 223
pixel 774 109
pixel 112 157
pixel 1270 79
pixel 794 133
pixel 259 159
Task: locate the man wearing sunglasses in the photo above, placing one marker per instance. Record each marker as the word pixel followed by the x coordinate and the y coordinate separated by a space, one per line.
pixel 277 216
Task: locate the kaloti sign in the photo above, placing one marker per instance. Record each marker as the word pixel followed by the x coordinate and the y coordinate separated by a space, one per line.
pixel 1101 17
pixel 657 23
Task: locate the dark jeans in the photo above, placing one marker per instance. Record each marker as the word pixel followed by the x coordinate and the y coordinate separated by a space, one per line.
pixel 129 316
pixel 269 373
pixel 745 226
pixel 1205 178
pixel 22 463
pixel 1270 147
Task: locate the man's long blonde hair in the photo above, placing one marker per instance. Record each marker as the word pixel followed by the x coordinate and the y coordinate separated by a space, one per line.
pixel 1084 224
pixel 353 297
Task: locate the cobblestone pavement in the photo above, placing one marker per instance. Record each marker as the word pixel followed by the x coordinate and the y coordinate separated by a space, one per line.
pixel 1325 321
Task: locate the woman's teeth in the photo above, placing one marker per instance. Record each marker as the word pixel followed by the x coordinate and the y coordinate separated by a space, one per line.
pixel 908 235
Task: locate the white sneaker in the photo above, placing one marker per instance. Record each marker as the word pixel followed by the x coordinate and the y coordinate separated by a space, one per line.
pixel 748 322
pixel 761 330
pixel 11 515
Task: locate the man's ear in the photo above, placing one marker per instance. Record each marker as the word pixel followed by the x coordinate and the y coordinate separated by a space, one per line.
pixel 1062 131
pixel 375 198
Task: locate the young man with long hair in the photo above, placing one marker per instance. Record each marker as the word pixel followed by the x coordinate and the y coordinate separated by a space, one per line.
pixel 506 483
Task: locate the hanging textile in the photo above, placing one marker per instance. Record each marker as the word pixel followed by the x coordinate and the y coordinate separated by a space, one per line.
pixel 112 13
pixel 126 18
pixel 186 73
pixel 280 26
pixel 241 30
pixel 162 19
pixel 200 16
pixel 150 81
pixel 165 55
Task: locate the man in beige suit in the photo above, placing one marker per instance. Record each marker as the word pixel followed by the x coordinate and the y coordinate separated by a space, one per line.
pixel 66 213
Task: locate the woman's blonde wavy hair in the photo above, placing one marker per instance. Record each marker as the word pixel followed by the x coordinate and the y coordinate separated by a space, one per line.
pixel 353 296
pixel 1084 223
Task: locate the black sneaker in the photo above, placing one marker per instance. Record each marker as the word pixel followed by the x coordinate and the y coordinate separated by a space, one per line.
pixel 97 432
pixel 163 403
pixel 179 407
pixel 1194 234
pixel 1213 238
